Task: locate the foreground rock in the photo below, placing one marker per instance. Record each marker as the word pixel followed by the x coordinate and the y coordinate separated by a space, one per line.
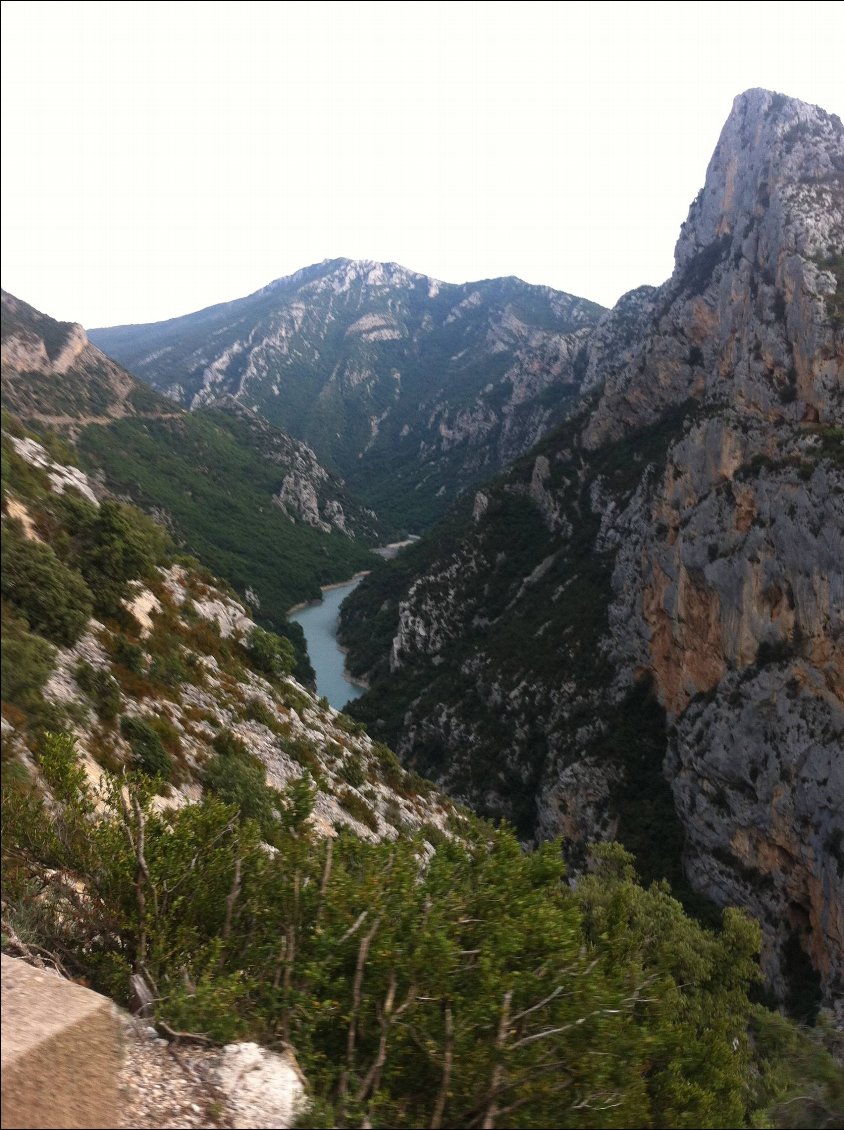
pixel 239 1087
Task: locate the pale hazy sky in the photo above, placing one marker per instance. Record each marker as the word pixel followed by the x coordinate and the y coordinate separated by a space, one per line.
pixel 158 157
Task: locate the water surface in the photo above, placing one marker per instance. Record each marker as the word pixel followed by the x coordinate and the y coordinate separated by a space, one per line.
pixel 319 623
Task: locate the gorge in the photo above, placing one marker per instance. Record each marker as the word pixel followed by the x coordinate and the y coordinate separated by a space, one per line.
pixel 621 621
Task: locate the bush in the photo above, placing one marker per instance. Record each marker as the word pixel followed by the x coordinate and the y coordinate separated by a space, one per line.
pixel 117 544
pixel 101 687
pixel 127 654
pixel 27 663
pixel 272 655
pixel 256 710
pixel 238 777
pixel 229 745
pixel 357 808
pixel 242 783
pixel 168 670
pixel 602 1005
pixel 150 755
pixel 352 770
pixel 389 766
pixel 53 598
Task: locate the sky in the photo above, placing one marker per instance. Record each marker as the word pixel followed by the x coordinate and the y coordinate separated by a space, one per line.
pixel 160 157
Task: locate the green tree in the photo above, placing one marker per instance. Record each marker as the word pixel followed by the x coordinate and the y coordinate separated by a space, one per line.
pixel 469 988
pixel 52 597
pixel 271 654
pixel 112 546
pixel 150 755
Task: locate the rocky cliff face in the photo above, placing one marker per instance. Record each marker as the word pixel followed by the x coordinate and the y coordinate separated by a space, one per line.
pixel 306 491
pixel 656 594
pixel 411 388
pixel 52 373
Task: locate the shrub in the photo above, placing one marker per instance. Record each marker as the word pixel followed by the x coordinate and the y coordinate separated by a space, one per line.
pixel 242 783
pixel 229 745
pixel 168 670
pixel 352 770
pixel 127 654
pixel 357 808
pixel 27 663
pixel 272 655
pixel 256 710
pixel 389 766
pixel 101 687
pixel 117 544
pixel 349 725
pixel 150 755
pixel 602 1004
pixel 53 598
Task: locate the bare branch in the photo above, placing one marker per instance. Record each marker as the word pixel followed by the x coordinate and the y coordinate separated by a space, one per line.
pixel 448 1060
pixel 231 899
pixel 323 885
pixel 498 1076
pixel 565 1027
pixel 357 983
pixel 353 929
pixel 373 1076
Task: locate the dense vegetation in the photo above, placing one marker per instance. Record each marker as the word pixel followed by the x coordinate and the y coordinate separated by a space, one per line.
pixel 210 477
pixel 86 563
pixel 203 471
pixel 471 987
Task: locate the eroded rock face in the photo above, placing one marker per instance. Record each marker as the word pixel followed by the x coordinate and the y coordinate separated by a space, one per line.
pixel 62 476
pixel 686 534
pixel 52 373
pixel 739 557
pixel 743 317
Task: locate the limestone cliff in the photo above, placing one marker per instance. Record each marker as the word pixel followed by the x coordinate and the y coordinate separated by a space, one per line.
pixel 657 592
pixel 54 375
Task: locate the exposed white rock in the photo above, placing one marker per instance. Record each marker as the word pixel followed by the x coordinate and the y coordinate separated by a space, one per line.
pixel 264 1090
pixel 61 476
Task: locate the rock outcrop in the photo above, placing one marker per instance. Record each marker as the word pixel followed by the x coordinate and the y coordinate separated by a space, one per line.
pixel 53 374
pixel 659 589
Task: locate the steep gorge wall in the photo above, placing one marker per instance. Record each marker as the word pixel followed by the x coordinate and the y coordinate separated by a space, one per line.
pixel 686 533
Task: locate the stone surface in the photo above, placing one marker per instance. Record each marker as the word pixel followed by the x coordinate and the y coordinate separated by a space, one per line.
pixel 60 1055
pixel 264 1089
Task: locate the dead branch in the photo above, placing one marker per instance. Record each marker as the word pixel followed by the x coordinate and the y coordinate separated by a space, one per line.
pixel 185 1037
pixel 498 1071
pixel 448 1060
pixel 32 952
pixel 323 885
pixel 358 922
pixel 231 899
pixel 357 983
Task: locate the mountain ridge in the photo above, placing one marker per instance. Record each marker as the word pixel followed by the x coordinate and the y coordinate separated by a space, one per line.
pixel 412 389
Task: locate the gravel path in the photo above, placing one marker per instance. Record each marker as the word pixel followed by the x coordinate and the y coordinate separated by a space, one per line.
pixel 167 1087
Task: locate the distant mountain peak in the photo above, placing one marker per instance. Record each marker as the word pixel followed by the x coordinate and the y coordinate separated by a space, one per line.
pixel 412 388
